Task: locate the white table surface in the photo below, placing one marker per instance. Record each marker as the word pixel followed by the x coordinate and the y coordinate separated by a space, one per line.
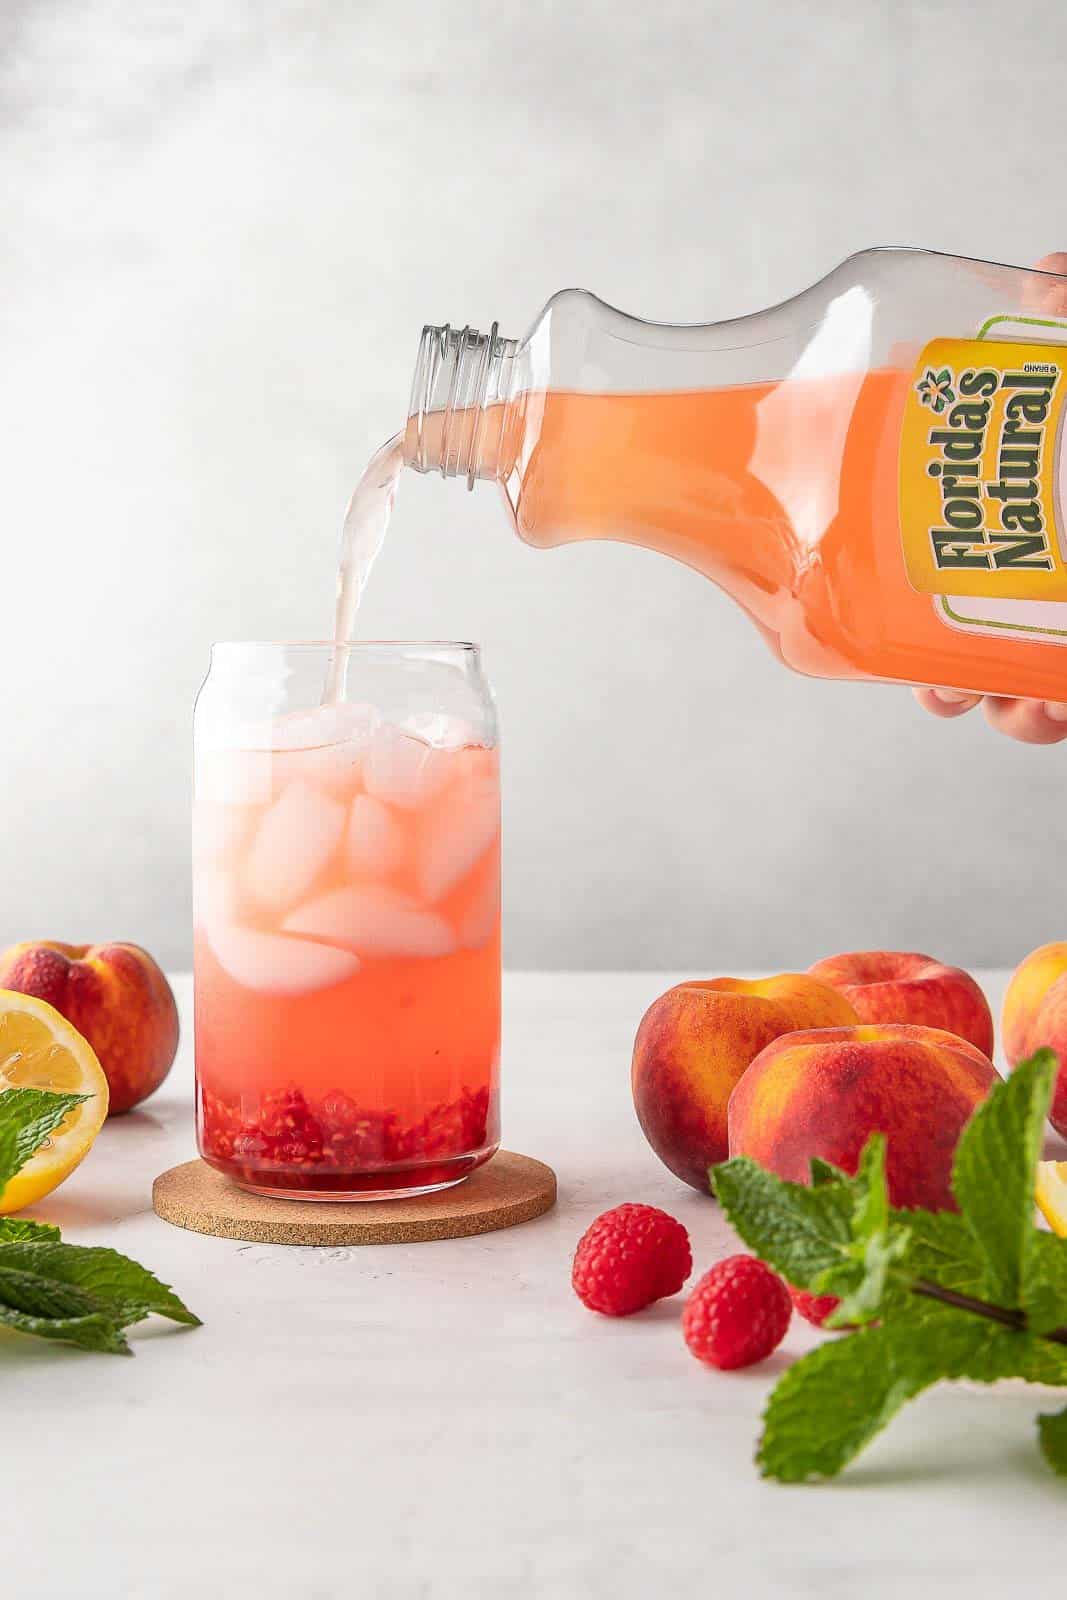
pixel 447 1419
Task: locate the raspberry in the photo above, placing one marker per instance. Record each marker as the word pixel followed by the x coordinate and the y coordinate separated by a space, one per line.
pixel 340 1111
pixel 364 1139
pixel 629 1257
pixel 285 1112
pixel 447 1130
pixel 814 1308
pixel 737 1314
pixel 247 1147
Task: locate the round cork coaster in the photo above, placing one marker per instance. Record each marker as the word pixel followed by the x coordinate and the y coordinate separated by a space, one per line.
pixel 508 1189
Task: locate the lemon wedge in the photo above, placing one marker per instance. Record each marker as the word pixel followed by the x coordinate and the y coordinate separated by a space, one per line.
pixel 1051 1194
pixel 39 1049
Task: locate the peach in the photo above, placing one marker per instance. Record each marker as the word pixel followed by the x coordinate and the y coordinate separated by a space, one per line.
pixel 116 997
pixel 821 1093
pixel 902 986
pixel 694 1043
pixel 1035 1014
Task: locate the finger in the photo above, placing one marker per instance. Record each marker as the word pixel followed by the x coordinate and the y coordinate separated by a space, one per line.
pixel 946 702
pixel 1029 721
pixel 1045 294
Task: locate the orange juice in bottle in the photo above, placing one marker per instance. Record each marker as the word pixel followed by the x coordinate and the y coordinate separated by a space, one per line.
pixel 872 469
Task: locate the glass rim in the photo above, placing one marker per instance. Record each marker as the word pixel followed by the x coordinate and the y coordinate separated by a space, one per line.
pixel 353 646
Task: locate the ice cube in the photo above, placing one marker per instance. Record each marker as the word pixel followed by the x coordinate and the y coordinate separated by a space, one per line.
pixel 479 920
pixel 325 746
pixel 272 963
pixel 458 833
pixel 439 729
pixel 375 921
pixel 374 842
pixel 403 770
pixel 322 725
pixel 214 899
pixel 292 844
pixel 221 830
pixel 334 768
pixel 234 777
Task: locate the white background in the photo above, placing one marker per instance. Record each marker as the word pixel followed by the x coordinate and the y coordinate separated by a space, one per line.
pixel 224 225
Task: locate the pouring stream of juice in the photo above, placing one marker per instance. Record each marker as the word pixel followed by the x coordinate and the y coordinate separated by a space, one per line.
pixel 364 529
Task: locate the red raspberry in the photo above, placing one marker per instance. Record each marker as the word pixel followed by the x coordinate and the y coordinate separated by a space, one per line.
pixel 629 1257
pixel 285 1112
pixel 737 1314
pixel 814 1308
pixel 339 1111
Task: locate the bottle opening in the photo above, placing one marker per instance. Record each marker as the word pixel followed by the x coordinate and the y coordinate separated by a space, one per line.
pixel 458 394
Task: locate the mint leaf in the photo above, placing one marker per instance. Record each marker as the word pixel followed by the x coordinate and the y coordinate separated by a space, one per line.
pixel 111 1282
pixel 964 1345
pixel 871 1212
pixel 9 1153
pixel 93 1331
pixel 28 1117
pixel 825 1172
pixel 866 1300
pixel 1052 1432
pixel 1045 1290
pixel 23 1290
pixel 35 1305
pixel 17 1230
pixel 834 1400
pixel 994 1169
pixel 942 1249
pixel 1028 1356
pixel 82 1296
pixel 803 1233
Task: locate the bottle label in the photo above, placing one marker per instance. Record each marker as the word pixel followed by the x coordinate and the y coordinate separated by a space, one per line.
pixel 1002 596
pixel 981 470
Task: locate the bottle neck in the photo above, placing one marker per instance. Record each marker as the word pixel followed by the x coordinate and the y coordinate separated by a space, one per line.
pixel 459 403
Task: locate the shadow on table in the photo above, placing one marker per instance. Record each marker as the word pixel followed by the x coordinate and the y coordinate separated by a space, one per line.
pixel 100 1208
pixel 138 1123
pixel 960 1458
pixel 115 1182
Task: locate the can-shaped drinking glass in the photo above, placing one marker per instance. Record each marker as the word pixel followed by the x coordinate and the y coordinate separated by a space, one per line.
pixel 346 900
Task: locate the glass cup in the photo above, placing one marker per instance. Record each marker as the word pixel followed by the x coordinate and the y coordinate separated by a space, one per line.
pixel 346 899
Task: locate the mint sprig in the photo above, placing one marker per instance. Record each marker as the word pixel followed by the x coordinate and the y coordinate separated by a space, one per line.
pixel 86 1296
pixel 980 1293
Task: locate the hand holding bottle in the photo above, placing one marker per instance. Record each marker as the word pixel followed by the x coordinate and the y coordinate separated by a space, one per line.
pixel 1030 721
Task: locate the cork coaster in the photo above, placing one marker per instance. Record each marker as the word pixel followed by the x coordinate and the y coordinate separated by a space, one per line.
pixel 508 1189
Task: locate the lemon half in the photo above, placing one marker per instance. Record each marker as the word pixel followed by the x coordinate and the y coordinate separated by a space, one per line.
pixel 39 1049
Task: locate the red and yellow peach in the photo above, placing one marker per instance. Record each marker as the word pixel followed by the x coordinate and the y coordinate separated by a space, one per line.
pixel 1035 1015
pixel 822 1093
pixel 117 998
pixel 692 1047
pixel 903 986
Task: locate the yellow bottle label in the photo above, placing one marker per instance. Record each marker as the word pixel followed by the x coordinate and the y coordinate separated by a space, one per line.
pixel 980 475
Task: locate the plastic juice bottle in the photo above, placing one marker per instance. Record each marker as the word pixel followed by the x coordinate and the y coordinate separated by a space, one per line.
pixel 873 469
